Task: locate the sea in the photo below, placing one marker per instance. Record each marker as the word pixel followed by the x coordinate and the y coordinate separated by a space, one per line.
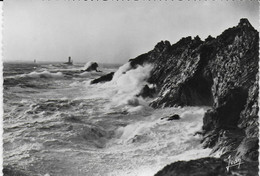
pixel 58 124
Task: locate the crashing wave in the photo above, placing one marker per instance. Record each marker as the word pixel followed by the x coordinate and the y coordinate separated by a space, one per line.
pixel 43 74
pixel 129 83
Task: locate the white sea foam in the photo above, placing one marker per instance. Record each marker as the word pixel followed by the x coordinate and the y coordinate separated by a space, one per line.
pixel 85 74
pixel 151 143
pixel 43 74
pixel 129 83
pixel 90 74
pixel 121 70
pixel 87 65
pixel 133 79
pixel 123 88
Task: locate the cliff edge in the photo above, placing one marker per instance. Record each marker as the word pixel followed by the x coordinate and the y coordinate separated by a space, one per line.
pixel 220 72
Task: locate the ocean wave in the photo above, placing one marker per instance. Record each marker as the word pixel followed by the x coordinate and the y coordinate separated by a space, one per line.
pixel 43 74
pixel 31 80
pixel 160 141
pixel 24 82
pixel 91 74
pixel 55 105
pixel 121 92
pixel 128 83
pixel 105 123
pixel 35 74
pixel 87 65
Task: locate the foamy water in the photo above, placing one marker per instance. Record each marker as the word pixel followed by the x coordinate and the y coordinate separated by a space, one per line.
pixel 56 123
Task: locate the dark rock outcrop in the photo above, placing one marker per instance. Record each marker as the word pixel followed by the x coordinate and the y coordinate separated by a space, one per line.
pixel 207 167
pixel 105 78
pixel 174 117
pixel 191 71
pixel 219 72
pixel 147 92
pixel 92 67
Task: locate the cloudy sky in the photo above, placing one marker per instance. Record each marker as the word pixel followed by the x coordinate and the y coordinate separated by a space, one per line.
pixel 111 31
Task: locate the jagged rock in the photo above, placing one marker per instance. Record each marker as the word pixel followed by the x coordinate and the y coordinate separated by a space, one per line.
pixel 209 38
pixel 208 167
pixel 174 117
pixel 247 150
pixel 249 116
pixel 219 72
pixel 162 46
pixel 105 78
pixel 197 38
pixel 92 67
pixel 200 167
pixel 244 22
pixel 147 92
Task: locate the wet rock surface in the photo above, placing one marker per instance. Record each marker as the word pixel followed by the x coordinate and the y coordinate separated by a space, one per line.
pixel 174 117
pixel 147 92
pixel 92 67
pixel 208 167
pixel 105 78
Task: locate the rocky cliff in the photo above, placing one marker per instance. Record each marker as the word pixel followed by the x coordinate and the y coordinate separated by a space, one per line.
pixel 220 72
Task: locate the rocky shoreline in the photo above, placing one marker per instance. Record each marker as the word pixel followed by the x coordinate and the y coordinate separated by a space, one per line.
pixel 220 72
pixel 207 167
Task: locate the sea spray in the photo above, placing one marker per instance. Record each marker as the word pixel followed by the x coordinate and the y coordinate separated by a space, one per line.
pixel 133 79
pixel 90 74
pixel 123 89
pixel 90 66
pixel 151 143
pixel 129 83
pixel 43 74
pixel 121 70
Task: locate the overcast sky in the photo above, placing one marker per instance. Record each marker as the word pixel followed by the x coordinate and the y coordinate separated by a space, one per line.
pixel 111 31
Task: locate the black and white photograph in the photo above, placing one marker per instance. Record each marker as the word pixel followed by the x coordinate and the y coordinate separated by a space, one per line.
pixel 130 87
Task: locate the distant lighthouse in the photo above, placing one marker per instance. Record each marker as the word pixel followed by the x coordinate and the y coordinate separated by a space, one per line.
pixel 69 61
